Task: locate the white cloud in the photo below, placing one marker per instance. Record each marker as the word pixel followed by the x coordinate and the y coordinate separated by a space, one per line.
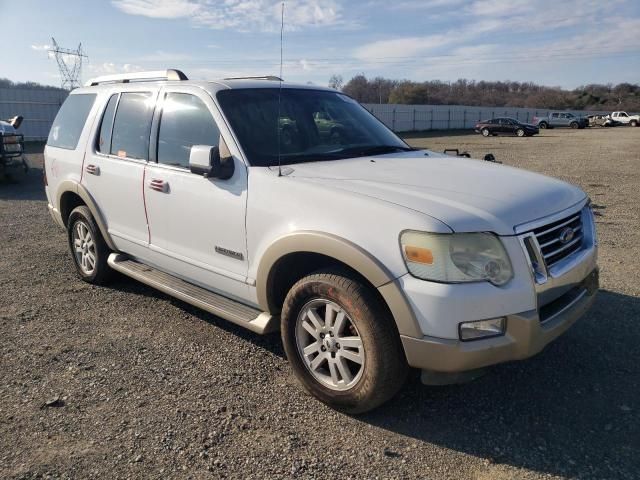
pixel 41 48
pixel 158 8
pixel 110 68
pixel 242 15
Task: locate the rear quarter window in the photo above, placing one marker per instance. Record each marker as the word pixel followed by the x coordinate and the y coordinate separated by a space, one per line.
pixel 67 127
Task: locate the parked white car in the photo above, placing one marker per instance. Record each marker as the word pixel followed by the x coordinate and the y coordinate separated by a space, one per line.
pixel 368 255
pixel 626 119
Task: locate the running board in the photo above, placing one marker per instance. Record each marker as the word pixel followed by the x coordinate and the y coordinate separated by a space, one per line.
pixel 236 312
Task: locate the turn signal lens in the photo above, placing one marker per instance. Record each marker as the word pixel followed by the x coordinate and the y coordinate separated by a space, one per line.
pixel 418 255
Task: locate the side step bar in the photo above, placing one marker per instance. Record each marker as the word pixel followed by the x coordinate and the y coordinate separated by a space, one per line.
pixel 236 312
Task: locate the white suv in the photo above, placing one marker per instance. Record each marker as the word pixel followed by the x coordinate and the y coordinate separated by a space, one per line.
pixel 279 206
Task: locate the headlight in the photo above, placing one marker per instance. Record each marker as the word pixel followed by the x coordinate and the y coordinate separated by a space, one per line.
pixel 456 257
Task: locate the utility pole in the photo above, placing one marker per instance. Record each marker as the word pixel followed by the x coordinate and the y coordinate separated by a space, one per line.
pixel 69 64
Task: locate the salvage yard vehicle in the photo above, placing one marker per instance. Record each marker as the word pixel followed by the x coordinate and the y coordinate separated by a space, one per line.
pixel 506 126
pixel 625 119
pixel 602 121
pixel 369 256
pixel 561 119
pixel 11 146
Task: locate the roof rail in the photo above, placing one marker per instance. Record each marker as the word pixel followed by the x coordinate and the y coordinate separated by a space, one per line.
pixel 262 77
pixel 170 74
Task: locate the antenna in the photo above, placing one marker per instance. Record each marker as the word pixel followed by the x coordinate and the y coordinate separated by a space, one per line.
pixel 280 90
pixel 69 64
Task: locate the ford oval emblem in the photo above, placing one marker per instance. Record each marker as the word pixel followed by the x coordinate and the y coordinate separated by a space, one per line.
pixel 566 235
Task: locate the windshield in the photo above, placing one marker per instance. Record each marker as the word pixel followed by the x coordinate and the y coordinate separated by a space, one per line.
pixel 313 126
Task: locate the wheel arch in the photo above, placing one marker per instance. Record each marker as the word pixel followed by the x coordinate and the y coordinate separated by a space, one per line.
pixel 297 254
pixel 72 194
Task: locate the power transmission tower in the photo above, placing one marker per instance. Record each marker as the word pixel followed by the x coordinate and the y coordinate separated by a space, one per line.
pixel 69 64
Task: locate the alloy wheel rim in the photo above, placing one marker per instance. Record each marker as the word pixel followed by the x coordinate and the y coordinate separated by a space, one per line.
pixel 330 345
pixel 84 247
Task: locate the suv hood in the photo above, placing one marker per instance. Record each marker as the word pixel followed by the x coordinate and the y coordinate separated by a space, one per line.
pixel 467 195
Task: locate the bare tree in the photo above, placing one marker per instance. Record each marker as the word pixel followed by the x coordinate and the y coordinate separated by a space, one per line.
pixel 336 82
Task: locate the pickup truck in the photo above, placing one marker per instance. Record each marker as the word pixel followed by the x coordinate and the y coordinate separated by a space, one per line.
pixel 626 119
pixel 561 119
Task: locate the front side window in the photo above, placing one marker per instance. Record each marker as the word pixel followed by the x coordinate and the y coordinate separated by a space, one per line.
pixel 313 125
pixel 185 121
pixel 132 125
pixel 555 115
pixel 67 127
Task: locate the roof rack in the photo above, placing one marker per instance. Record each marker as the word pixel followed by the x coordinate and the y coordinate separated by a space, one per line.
pixel 169 74
pixel 262 77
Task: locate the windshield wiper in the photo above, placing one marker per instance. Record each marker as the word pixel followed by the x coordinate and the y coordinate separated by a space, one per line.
pixel 375 149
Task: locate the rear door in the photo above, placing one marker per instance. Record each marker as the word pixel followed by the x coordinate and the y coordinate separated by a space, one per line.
pixel 114 166
pixel 197 224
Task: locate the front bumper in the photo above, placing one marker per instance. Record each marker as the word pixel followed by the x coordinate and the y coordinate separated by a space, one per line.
pixel 527 333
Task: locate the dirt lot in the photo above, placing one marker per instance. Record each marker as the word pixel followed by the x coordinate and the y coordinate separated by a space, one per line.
pixel 147 386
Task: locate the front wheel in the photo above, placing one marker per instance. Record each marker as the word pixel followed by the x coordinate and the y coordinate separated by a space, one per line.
pixel 543 125
pixel 634 123
pixel 342 344
pixel 88 248
pixel 485 132
pixel 574 125
pixel 520 132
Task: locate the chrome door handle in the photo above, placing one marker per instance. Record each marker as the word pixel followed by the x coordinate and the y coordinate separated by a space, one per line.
pixel 92 169
pixel 159 185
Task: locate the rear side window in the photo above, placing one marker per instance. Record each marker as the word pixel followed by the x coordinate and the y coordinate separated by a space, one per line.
pixel 67 127
pixel 104 140
pixel 132 125
pixel 185 121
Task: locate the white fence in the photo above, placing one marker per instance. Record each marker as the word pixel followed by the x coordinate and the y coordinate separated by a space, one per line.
pixel 407 118
pixel 38 107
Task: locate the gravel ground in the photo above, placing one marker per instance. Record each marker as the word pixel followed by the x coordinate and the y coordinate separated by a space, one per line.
pixel 125 382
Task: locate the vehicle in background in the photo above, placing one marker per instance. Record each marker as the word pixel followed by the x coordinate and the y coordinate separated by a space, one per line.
pixel 602 121
pixel 506 126
pixel 625 119
pixel 561 119
pixel 11 145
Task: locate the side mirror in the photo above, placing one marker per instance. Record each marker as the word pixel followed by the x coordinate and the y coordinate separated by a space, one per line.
pixel 205 160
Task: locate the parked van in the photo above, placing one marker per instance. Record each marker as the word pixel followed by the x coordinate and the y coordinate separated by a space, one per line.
pixel 368 255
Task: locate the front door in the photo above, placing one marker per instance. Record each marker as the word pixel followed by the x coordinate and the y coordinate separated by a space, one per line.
pixel 196 224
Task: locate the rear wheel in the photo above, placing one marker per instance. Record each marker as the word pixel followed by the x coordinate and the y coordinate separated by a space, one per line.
pixel 634 123
pixel 485 132
pixel 88 248
pixel 520 132
pixel 341 342
pixel 574 125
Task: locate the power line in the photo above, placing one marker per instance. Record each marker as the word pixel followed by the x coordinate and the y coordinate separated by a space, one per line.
pixel 69 64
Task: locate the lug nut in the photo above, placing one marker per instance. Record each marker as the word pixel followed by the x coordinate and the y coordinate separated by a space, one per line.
pixel 323 348
pixel 322 335
pixel 337 345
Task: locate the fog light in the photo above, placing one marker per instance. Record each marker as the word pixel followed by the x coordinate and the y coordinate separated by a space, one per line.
pixel 482 328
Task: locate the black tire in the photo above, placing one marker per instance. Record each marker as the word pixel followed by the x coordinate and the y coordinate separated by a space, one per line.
pixel 385 368
pixel 101 272
pixel 633 123
pixel 520 132
pixel 543 125
pixel 485 132
pixel 574 125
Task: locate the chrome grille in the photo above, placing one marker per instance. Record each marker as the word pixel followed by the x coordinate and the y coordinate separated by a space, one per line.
pixel 560 239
